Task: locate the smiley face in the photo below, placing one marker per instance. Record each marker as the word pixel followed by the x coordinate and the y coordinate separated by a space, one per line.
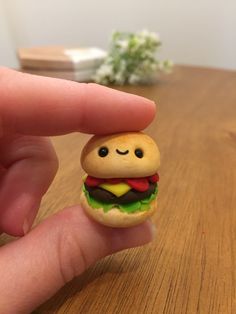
pixel 123 155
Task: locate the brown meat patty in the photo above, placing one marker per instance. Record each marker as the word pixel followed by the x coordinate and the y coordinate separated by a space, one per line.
pixel 129 197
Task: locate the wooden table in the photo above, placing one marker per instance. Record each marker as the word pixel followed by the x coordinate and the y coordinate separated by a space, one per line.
pixel 191 265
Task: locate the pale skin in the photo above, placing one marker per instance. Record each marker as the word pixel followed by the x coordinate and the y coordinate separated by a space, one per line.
pixel 32 108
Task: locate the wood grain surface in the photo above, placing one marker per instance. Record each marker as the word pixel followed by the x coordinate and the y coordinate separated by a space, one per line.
pixel 190 266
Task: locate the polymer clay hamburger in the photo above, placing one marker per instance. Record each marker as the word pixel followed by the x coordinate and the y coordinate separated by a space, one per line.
pixel 121 184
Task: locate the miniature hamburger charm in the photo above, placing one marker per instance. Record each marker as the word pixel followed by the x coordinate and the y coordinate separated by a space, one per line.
pixel 121 185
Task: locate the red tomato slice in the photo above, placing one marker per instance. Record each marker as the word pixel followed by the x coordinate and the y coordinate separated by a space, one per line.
pixel 139 184
pixel 154 178
pixel 92 181
pixel 114 181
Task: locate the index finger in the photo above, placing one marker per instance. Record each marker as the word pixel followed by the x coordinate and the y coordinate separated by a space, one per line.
pixel 35 105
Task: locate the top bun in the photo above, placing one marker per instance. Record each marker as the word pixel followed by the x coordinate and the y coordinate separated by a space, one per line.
pixel 122 155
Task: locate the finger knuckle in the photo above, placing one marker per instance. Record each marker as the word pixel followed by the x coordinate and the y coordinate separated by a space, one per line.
pixel 72 256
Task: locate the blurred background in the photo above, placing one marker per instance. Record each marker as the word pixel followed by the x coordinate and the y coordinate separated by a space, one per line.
pixel 199 32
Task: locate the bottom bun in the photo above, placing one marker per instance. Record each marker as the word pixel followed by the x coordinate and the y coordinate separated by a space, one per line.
pixel 114 217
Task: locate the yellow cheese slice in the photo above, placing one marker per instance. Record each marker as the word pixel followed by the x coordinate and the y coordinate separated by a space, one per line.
pixel 84 177
pixel 118 189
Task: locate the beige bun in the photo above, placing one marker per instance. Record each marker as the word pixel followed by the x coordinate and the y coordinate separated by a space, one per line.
pixel 114 217
pixel 115 165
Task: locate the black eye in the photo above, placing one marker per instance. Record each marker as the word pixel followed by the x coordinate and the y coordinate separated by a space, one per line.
pixel 139 153
pixel 103 151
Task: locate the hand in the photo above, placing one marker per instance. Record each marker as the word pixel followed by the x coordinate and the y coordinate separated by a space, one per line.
pixel 36 265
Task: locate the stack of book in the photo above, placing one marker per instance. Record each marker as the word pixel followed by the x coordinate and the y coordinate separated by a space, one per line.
pixel 77 64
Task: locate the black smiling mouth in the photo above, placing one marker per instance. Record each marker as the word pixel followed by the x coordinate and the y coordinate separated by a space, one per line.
pixel 122 153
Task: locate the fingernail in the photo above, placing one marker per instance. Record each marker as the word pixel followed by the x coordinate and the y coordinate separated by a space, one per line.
pixel 26 226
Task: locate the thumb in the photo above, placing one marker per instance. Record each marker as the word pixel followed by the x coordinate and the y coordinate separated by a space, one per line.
pixel 34 267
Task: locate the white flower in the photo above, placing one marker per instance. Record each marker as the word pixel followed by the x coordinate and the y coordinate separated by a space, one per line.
pixel 134 79
pixel 119 78
pixel 123 45
pixel 140 42
pixel 105 70
pixel 153 66
pixel 123 65
pixel 151 35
